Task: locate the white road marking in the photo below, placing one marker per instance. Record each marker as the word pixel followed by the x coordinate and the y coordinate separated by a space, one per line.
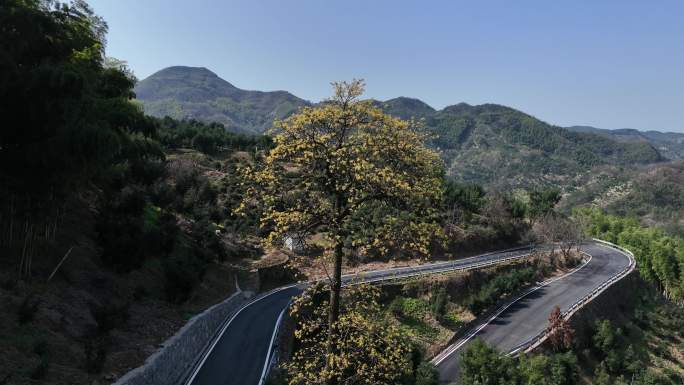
pixel 270 346
pixel 451 349
pixel 223 330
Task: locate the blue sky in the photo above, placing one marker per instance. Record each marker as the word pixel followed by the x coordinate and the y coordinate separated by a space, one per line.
pixel 610 64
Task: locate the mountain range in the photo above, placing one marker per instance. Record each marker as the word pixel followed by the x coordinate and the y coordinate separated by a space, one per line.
pixel 669 144
pixel 488 144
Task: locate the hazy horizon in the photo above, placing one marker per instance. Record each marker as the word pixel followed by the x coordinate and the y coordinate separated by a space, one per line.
pixel 610 65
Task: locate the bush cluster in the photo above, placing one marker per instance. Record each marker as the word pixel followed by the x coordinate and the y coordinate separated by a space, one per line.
pixel 500 286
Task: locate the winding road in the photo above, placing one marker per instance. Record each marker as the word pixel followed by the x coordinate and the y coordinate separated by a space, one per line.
pixel 240 354
pixel 526 317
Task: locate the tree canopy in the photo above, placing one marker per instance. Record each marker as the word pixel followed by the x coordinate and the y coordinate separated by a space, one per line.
pixel 341 164
pixel 65 115
pixel 332 162
pixel 660 256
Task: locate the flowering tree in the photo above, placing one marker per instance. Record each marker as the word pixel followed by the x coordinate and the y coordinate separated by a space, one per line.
pixel 362 178
pixel 559 330
pixel 371 351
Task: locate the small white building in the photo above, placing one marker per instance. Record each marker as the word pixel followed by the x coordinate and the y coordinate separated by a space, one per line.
pixel 294 243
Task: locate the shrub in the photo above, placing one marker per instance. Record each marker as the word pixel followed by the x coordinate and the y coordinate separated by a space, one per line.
pixel 396 308
pixel 438 302
pixel 427 374
pixel 504 284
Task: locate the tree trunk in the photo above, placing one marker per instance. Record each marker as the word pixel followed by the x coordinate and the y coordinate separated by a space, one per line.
pixel 334 311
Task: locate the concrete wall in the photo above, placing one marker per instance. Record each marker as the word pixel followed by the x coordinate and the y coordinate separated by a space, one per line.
pixel 172 363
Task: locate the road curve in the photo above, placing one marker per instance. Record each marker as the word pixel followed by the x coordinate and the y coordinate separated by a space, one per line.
pixel 528 316
pixel 238 355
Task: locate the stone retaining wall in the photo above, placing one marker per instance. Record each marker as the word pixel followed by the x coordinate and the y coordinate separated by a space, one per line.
pixel 172 363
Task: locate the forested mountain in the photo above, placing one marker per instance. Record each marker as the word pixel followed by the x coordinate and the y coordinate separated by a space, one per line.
pixel 197 93
pixel 669 144
pixel 487 144
pixel 494 144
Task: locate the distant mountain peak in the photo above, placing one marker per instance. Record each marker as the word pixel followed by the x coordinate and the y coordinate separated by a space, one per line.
pixel 184 71
pixel 181 68
pixel 184 92
pixel 405 107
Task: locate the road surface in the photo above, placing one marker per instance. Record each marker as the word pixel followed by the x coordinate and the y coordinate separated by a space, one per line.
pixel 528 316
pixel 239 354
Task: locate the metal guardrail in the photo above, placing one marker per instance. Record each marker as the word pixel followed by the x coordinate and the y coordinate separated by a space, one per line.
pixel 448 267
pixel 407 272
pixel 537 340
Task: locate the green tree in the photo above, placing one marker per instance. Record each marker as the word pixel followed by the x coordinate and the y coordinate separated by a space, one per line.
pixel 329 165
pixel 660 256
pixel 462 201
pixel 68 119
pixel 543 201
pixel 484 365
pixel 204 142
pixel 601 376
pixel 605 337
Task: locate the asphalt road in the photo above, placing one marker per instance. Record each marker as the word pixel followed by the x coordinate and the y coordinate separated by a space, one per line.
pixel 239 354
pixel 528 316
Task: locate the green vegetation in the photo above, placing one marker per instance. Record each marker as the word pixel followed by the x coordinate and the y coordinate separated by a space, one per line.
pixel 487 144
pixel 670 144
pixel 126 214
pixel 68 119
pixel 645 347
pixel 431 310
pixel 660 256
pixel 426 374
pixel 484 365
pixel 209 138
pixel 67 115
pixel 501 285
pixel 654 194
pixel 499 146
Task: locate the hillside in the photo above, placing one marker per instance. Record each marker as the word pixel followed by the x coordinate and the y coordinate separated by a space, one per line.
pixel 653 193
pixel 498 145
pixel 197 93
pixel 669 144
pixel 487 144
